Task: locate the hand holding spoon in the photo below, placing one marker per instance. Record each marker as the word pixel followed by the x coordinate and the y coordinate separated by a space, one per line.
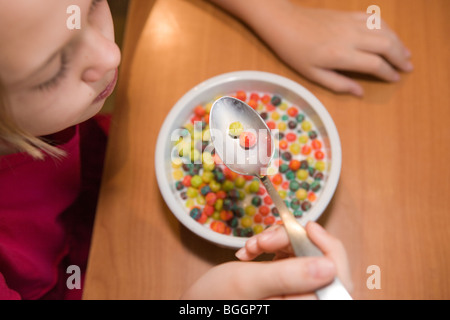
pixel 255 160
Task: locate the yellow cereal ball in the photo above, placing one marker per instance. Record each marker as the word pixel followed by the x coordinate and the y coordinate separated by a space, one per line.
pixel 320 165
pixel 246 222
pixel 303 139
pixel 178 174
pixel 258 229
pixel 275 115
pixel 306 126
pixel 301 194
pixel 282 126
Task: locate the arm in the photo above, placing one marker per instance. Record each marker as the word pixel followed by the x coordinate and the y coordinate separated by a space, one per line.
pixel 318 43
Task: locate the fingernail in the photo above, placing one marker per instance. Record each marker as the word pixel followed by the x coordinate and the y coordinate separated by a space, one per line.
pixel 317 227
pixel 409 66
pixel 407 52
pixel 395 77
pixel 357 91
pixel 240 254
pixel 321 268
pixel 251 244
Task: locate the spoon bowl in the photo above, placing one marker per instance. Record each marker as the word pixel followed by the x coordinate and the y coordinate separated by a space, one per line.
pixel 252 161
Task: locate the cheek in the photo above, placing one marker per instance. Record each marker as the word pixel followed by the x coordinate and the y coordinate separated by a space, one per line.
pixel 49 113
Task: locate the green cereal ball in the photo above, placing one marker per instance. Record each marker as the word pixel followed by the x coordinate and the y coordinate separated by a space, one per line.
pixel 254 186
pixel 227 185
pixel 207 176
pixel 192 192
pixel 215 186
pixel 196 181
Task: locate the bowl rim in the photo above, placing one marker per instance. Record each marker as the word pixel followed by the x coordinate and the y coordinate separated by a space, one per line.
pixel 160 161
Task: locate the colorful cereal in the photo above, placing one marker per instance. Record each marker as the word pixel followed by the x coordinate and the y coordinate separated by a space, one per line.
pixel 229 203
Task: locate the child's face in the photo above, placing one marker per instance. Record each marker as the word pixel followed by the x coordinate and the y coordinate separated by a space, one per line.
pixel 56 77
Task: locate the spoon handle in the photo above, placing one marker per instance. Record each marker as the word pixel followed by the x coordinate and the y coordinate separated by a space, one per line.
pixel 301 244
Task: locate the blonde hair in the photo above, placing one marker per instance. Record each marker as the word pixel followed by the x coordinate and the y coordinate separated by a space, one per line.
pixel 13 136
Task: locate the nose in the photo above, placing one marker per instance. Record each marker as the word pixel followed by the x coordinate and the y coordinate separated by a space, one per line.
pixel 101 54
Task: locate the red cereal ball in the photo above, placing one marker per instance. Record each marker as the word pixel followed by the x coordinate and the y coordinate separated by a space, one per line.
pixel 221 194
pixel 261 191
pixel 227 230
pixel 292 111
pixel 241 95
pixel 208 210
pixel 277 179
pixel 226 215
pixel 312 197
pixel 257 218
pixel 306 150
pixel 254 96
pixel 285 185
pixel 294 165
pixel 264 210
pixel 291 137
pixel 249 178
pixel 272 125
pixel 206 118
pixel 270 107
pixel 229 174
pixel 268 200
pixel 266 99
pixel 187 181
pixel 199 111
pixel 203 218
pixel 218 226
pixel 210 198
pixel 283 144
pixel 316 144
pixel 247 140
pixel 319 155
pixel 269 220
pixel 196 118
pixel 253 104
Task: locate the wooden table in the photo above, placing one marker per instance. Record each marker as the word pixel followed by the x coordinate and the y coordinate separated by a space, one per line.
pixel 392 205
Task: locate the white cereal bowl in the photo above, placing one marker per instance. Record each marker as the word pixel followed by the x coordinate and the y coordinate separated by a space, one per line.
pixel 226 84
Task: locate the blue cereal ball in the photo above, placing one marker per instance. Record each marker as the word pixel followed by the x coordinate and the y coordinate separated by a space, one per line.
pixel 195 213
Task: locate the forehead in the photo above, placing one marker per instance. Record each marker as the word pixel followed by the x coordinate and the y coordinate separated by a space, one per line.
pixel 30 32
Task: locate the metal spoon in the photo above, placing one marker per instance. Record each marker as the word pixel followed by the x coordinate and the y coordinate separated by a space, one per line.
pixel 255 161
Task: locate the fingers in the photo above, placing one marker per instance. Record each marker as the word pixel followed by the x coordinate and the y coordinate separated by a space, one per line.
pixel 275 240
pixel 389 46
pixel 272 240
pixel 336 82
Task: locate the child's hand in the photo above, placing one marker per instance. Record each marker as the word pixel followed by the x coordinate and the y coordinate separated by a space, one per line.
pixel 283 278
pixel 318 42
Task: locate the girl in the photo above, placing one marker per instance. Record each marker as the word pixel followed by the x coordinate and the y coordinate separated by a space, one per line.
pixel 53 80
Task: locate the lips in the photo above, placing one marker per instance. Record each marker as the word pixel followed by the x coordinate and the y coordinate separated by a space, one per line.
pixel 108 90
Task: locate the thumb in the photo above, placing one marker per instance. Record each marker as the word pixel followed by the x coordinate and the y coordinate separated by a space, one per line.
pixel 293 276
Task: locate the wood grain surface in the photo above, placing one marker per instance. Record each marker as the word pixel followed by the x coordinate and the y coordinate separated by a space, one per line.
pixel 392 205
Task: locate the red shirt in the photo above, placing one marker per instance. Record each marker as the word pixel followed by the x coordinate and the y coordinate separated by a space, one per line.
pixel 46 214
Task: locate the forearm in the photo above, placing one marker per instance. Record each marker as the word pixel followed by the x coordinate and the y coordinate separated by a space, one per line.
pixel 257 14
